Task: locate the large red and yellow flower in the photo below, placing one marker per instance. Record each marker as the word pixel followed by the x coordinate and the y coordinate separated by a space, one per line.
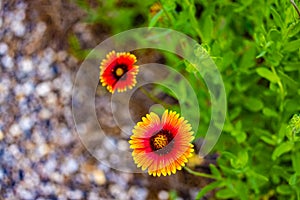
pixel 162 145
pixel 118 72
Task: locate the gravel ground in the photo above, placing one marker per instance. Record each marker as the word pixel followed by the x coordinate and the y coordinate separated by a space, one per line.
pixel 41 156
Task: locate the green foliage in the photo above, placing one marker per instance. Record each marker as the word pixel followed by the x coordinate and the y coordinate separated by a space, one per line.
pixel 256 47
pixel 118 15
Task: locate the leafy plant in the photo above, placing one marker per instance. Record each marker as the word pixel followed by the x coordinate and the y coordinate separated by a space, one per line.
pixel 256 46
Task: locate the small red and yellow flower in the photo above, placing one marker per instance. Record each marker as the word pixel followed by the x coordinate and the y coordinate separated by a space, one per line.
pixel 118 72
pixel 162 145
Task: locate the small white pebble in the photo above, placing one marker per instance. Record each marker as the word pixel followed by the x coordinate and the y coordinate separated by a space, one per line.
pixel 1 174
pixel 43 89
pixel 101 154
pixel 93 195
pixel 137 193
pixel 44 70
pixel 47 189
pixel 108 144
pixel 31 179
pixel 43 150
pixel 15 130
pixel 61 56
pixel 99 177
pixel 69 166
pixel 26 65
pixel 49 55
pixel 123 145
pixel 114 159
pixel 1 138
pixel 50 166
pixel 57 177
pixel 18 90
pixel 45 114
pixel 20 15
pixel 28 88
pixel 116 190
pixel 67 85
pixel 75 194
pixel 14 150
pixel 21 5
pixel 26 123
pixel 63 136
pixel 41 27
pixel 3 48
pixel 62 197
pixel 7 61
pixel 18 28
pixel 25 194
pixel 51 98
pixel 163 195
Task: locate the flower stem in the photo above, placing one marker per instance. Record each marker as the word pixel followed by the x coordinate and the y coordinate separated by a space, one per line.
pixel 281 88
pixel 193 19
pixel 200 174
pixel 295 6
pixel 166 12
pixel 154 98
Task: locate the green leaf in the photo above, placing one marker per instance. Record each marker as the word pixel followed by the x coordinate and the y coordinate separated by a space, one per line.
pixel 208 188
pixel 206 23
pixel 294 179
pixel 292 104
pixel 214 170
pixel 274 58
pixel 258 176
pixel 191 68
pixel 291 66
pixel 155 18
pixel 284 190
pixel 268 140
pixel 275 35
pixel 292 46
pixel 269 112
pixel 240 136
pixel 294 29
pixel 253 104
pixel 281 172
pixel 267 74
pixel 182 91
pixel 173 195
pixel 281 149
pixel 294 85
pixel 247 60
pixel 226 193
pixel 261 54
pixel 277 18
pixel 296 162
pixel 240 161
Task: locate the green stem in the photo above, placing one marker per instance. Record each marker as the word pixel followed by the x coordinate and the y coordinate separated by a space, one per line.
pixel 165 11
pixel 194 20
pixel 280 85
pixel 200 174
pixel 295 6
pixel 154 98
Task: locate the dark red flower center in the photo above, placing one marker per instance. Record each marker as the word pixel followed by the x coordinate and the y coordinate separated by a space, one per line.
pixel 161 142
pixel 120 71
